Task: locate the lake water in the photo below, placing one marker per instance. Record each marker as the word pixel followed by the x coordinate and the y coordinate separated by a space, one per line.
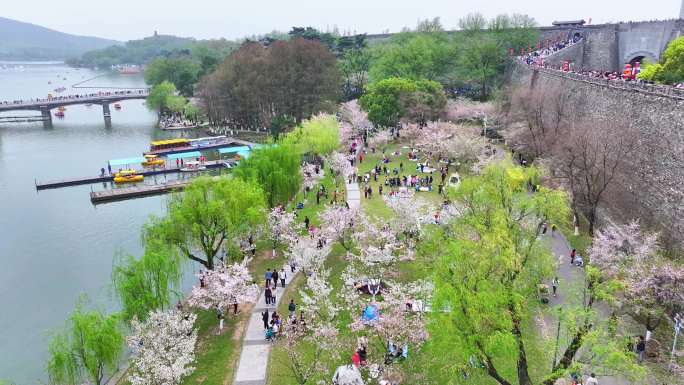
pixel 54 244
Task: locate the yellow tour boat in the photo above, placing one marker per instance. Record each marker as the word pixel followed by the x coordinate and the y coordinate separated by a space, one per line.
pixel 127 176
pixel 153 160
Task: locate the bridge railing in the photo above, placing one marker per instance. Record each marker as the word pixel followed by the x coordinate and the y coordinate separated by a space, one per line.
pixel 69 98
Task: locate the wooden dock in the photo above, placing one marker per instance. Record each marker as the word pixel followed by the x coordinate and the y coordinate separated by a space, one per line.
pixel 123 193
pixel 210 164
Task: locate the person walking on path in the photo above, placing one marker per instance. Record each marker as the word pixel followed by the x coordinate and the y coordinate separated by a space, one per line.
pixel 591 380
pixel 264 317
pixel 268 275
pixel 283 276
pixel 268 295
pixel 573 254
pixel 554 285
pixel 274 277
pixel 292 308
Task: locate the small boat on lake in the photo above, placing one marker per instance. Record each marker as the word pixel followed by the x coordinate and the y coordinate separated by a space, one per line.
pixel 127 176
pixel 60 89
pixel 117 106
pixel 152 160
pixel 59 114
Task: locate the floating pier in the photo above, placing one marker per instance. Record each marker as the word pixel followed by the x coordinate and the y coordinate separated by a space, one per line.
pixel 210 164
pixel 123 193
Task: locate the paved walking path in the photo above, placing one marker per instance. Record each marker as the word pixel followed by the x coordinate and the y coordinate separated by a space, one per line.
pixel 569 294
pixel 256 350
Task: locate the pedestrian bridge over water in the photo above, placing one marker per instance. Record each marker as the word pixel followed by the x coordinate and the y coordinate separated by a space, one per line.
pixel 45 106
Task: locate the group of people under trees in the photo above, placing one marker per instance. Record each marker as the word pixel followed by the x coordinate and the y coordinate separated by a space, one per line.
pixel 421 178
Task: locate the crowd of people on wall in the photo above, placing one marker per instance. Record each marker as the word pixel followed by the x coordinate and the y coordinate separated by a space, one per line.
pixel 538 58
pixel 76 97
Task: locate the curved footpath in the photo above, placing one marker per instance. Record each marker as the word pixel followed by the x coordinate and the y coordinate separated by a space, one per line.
pixel 255 353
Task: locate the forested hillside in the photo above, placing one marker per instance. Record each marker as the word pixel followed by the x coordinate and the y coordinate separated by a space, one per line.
pixel 24 41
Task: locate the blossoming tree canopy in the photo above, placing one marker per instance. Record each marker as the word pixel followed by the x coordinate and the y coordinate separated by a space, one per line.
pixel 281 224
pixel 340 164
pixel 338 224
pixel 311 175
pixel 223 286
pixel 163 348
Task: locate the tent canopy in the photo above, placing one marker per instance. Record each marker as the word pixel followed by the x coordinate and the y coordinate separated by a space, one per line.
pixel 125 161
pixel 189 154
pixel 228 150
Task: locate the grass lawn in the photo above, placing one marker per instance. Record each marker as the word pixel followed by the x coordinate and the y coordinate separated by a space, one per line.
pixel 216 355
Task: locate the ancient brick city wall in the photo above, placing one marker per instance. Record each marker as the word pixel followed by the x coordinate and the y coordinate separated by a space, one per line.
pixel 653 188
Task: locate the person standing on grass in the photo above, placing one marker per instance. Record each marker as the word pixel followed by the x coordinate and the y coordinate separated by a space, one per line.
pixel 292 308
pixel 641 348
pixel 264 317
pixel 283 276
pixel 306 222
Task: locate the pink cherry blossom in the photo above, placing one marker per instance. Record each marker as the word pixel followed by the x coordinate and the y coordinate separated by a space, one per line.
pixel 163 348
pixel 224 286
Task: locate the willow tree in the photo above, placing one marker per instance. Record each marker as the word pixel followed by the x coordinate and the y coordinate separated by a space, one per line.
pixel 319 135
pixel 147 283
pixel 87 350
pixel 207 215
pixel 487 271
pixel 276 169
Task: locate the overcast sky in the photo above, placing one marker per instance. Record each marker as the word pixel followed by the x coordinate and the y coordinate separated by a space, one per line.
pixel 133 19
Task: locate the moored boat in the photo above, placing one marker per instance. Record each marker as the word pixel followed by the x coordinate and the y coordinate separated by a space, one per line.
pixel 128 176
pixel 117 106
pixel 59 114
pixel 152 160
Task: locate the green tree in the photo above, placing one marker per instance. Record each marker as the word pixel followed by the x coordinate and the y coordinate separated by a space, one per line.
pixel 276 169
pixel 670 69
pixel 414 56
pixel 87 349
pixel 487 269
pixel 317 136
pixel 208 214
pixel 182 72
pixel 160 95
pixel 354 66
pixel 389 100
pixel 482 60
pixel 148 283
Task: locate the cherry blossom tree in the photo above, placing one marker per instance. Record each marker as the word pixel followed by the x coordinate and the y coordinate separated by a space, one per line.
pixel 411 213
pixel 380 139
pixel 318 331
pixel 447 140
pixel 281 224
pixel 306 255
pixel 653 286
pixel 340 165
pixel 163 348
pixel 356 120
pixel 311 175
pixel 223 286
pixel 619 248
pixel 338 224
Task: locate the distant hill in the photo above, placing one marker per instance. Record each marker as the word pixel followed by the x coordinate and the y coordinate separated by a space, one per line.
pixel 143 51
pixel 25 41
